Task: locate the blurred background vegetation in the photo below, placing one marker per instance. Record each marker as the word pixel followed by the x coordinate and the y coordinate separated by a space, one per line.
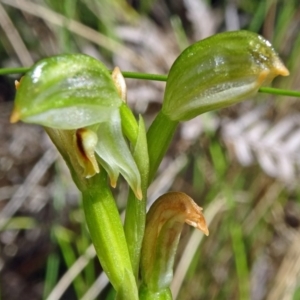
pixel 241 164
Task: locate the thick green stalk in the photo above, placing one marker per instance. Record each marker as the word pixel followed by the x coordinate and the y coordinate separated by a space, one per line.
pixel 135 218
pixel 146 294
pixel 159 137
pixel 108 237
pixel 134 227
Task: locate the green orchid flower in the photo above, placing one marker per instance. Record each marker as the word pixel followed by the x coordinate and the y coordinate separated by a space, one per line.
pixel 165 221
pixel 219 71
pixel 75 93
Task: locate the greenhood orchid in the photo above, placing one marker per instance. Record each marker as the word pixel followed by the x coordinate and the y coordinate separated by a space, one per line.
pixel 75 93
pixel 83 109
pixel 219 71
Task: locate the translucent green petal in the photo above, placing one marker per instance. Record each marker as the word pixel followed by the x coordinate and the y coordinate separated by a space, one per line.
pixel 115 155
pixel 66 92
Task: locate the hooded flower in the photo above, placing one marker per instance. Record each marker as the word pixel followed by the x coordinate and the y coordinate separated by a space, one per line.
pixel 74 95
pixel 164 224
pixel 219 71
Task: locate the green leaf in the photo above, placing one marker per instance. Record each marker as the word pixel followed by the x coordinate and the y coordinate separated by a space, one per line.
pixel 218 71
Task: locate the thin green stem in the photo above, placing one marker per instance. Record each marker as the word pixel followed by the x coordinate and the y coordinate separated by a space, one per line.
pixel 8 71
pixel 133 75
pixel 153 77
pixel 161 77
pixel 280 92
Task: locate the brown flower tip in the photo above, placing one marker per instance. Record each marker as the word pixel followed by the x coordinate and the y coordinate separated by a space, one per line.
pixel 86 141
pixel 15 116
pixel 120 83
pixel 280 68
pixel 17 83
pixel 165 220
pixel 179 206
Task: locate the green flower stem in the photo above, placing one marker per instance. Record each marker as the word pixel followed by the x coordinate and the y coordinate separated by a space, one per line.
pixel 8 71
pixel 134 227
pixel 135 219
pixel 159 137
pixel 146 294
pixel 161 77
pixel 145 76
pixel 279 92
pixel 136 75
pixel 129 124
pixel 108 237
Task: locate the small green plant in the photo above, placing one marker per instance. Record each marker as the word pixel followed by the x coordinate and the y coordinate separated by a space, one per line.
pixel 83 109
